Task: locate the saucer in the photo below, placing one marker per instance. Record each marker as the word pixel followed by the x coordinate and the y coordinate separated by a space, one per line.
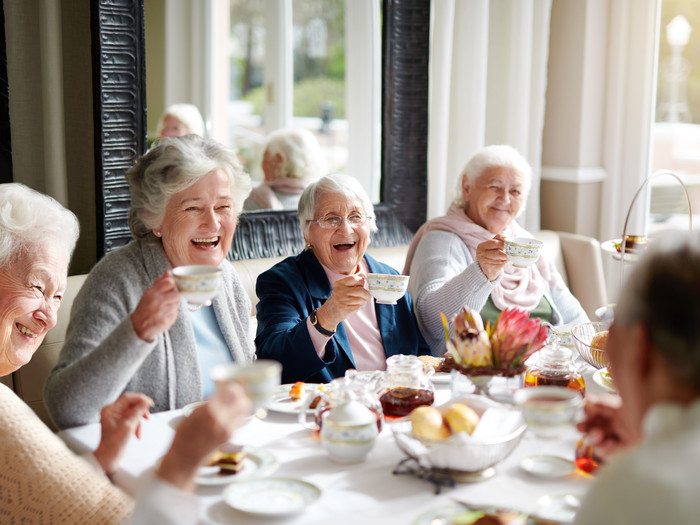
pixel 545 466
pixel 273 497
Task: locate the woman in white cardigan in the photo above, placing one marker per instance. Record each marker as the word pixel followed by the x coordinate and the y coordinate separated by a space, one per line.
pixel 42 481
pixel 459 259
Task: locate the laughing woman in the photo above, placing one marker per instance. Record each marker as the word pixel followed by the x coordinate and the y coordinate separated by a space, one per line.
pixel 315 313
pixel 129 328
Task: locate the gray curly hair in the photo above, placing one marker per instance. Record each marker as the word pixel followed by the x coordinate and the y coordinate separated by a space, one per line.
pixel 172 165
pixel 29 219
pixel 663 293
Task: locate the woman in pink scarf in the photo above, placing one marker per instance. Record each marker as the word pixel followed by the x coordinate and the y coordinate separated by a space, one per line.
pixel 292 159
pixel 460 259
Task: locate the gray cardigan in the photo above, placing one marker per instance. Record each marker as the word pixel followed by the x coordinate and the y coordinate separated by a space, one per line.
pixel 445 277
pixel 103 357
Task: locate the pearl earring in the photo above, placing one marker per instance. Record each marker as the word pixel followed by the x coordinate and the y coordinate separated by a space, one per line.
pixel 157 234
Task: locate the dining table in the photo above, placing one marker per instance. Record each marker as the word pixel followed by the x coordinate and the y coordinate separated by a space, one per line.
pixel 362 493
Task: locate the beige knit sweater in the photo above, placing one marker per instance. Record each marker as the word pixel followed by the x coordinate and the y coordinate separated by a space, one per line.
pixel 42 481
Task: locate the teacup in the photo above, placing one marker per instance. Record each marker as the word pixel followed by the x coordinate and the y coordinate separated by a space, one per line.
pixel 387 288
pixel 548 410
pixel 523 251
pixel 260 379
pixel 198 284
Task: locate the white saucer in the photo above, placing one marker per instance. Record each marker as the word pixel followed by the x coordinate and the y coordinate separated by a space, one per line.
pixel 602 380
pixel 271 497
pixel 550 467
pixel 560 508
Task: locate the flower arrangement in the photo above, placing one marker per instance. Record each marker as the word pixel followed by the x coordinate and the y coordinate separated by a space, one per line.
pixel 501 349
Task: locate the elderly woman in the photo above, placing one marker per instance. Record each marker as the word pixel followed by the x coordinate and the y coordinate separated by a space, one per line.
pixel 129 328
pixel 292 158
pixel 179 120
pixel 42 481
pixel 315 313
pixel 460 259
pixel 654 349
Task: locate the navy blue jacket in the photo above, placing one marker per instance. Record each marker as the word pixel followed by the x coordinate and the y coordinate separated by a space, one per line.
pixel 295 287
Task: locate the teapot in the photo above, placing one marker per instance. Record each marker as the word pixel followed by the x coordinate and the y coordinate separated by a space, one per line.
pixel 349 431
pixel 354 386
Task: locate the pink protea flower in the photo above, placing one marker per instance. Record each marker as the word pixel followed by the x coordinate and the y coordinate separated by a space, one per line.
pixel 470 346
pixel 515 337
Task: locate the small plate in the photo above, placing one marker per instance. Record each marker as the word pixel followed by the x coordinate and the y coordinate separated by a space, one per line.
pixel 560 508
pixel 440 515
pixel 550 467
pixel 271 497
pixel 258 463
pixel 603 380
pixel 188 409
pixel 609 247
pixel 282 403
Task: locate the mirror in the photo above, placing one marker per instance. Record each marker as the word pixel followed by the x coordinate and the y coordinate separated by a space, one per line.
pixel 119 76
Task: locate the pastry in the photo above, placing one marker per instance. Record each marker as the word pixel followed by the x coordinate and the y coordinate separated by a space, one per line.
pixel 428 423
pixel 228 462
pixel 296 391
pixel 600 340
pixel 461 418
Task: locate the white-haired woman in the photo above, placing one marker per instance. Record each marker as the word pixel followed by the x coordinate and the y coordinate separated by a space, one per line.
pixel 315 313
pixel 42 481
pixel 459 259
pixel 292 158
pixel 129 328
pixel 179 120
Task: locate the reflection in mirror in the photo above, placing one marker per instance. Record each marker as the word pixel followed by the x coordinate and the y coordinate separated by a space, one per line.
pixel 280 64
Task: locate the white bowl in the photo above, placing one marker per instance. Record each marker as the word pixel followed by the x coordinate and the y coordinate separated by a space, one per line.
pixel 548 410
pixel 387 288
pixel 523 251
pixel 198 284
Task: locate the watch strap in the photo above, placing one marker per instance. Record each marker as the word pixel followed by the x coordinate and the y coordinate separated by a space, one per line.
pixel 317 326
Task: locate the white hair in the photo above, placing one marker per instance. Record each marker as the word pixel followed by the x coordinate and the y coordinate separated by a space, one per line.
pixel 336 184
pixel 172 165
pixel 29 219
pixel 188 114
pixel 301 153
pixel 495 156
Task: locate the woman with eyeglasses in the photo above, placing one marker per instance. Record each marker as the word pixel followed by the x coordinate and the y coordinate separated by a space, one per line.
pixel 315 313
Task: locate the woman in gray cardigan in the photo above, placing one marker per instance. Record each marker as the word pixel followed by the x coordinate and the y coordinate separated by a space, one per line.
pixel 130 330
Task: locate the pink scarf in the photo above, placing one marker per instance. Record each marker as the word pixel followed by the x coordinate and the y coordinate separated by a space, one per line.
pixel 265 196
pixel 521 287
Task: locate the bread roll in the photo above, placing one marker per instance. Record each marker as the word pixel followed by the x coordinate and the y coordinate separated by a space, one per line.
pixel 429 424
pixel 461 418
pixel 600 340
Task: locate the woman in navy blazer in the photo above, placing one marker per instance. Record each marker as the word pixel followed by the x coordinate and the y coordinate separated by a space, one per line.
pixel 315 314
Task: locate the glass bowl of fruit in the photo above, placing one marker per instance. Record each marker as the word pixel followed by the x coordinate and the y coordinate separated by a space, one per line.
pixel 590 340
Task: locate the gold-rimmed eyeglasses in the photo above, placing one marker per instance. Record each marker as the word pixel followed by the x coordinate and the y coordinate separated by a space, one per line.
pixel 335 221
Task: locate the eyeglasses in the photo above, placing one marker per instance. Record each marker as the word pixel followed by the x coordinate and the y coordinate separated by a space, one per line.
pixel 334 221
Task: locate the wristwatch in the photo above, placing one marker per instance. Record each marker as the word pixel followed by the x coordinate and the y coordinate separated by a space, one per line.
pixel 318 327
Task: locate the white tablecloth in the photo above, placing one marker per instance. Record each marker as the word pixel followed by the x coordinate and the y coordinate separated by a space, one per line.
pixel 363 493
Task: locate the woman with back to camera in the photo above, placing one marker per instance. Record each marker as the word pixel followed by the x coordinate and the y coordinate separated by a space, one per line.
pixel 130 329
pixel 42 481
pixel 460 259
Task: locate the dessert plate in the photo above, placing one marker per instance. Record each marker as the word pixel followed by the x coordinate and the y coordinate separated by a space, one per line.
pixel 282 403
pixel 273 497
pixel 258 463
pixel 602 378
pixel 545 466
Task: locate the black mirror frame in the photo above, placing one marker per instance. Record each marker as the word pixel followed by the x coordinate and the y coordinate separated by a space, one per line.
pixel 119 77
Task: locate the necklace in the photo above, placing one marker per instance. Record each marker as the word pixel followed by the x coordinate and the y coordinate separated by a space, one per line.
pixel 194 307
